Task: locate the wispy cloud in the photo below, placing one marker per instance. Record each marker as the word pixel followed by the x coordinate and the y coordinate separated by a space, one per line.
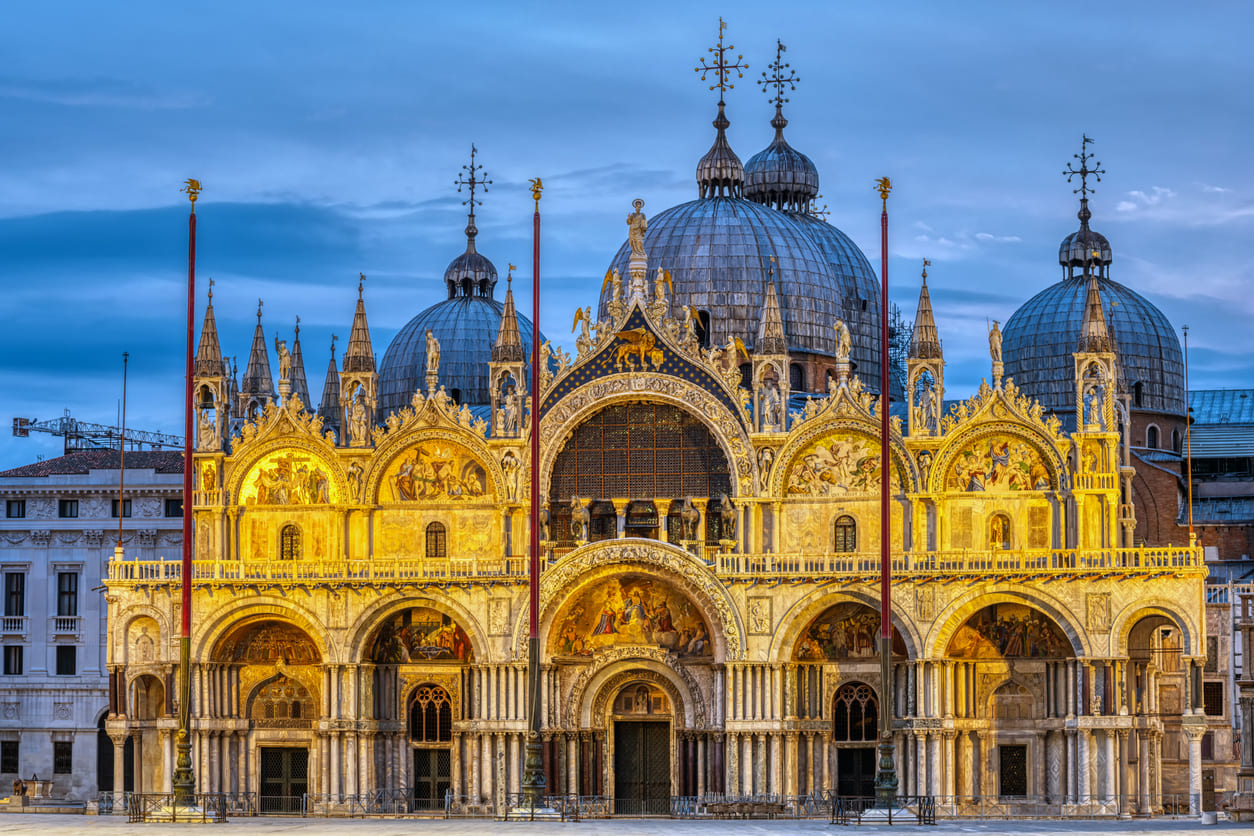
pixel 99 92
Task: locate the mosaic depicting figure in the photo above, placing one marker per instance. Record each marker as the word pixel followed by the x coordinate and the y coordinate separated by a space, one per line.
pixel 435 471
pixel 631 610
pixel 836 465
pixel 844 631
pixel 1009 630
pixel 420 634
pixel 268 642
pixel 998 463
pixel 288 479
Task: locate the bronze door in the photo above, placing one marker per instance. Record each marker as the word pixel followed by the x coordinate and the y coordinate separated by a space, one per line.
pixel 431 777
pixel 642 769
pixel 855 771
pixel 1013 771
pixel 284 780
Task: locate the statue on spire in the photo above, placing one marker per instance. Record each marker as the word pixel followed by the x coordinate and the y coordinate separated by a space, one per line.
pixel 636 226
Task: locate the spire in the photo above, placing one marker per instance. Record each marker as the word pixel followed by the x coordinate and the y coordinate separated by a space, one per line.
pixel 257 380
pixel 329 409
pixel 508 347
pixel 1094 337
pixel 359 356
pixel 720 173
pixel 209 354
pixel 771 339
pixel 300 387
pixel 925 341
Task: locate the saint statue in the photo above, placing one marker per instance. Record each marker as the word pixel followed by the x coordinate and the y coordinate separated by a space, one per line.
pixel 636 225
pixel 994 342
pixel 285 359
pixel 433 353
pixel 206 433
pixel 358 421
pixel 510 412
pixel 772 406
pixel 510 466
pixel 578 520
pixel 844 344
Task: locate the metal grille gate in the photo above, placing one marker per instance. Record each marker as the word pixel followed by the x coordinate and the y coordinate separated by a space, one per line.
pixel 284 780
pixel 642 769
pixel 1014 770
pixel 432 769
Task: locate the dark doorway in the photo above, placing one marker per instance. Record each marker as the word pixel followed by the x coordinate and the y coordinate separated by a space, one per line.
pixel 642 769
pixel 284 780
pixel 1208 790
pixel 431 778
pixel 855 771
pixel 1013 770
pixel 104 758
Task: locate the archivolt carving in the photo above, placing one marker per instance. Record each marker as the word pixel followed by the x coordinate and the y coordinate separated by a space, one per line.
pixel 610 687
pixel 325 453
pixel 800 439
pixel 572 570
pixel 955 444
pixel 399 442
pixel 560 422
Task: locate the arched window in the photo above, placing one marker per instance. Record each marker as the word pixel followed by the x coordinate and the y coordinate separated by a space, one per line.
pixel 703 328
pixel 797 378
pixel 856 714
pixel 430 715
pixel 456 395
pixel 1137 392
pixel 289 543
pixel 437 540
pixel 1151 437
pixel 846 539
pixel 1175 440
pixel 998 532
pixel 746 376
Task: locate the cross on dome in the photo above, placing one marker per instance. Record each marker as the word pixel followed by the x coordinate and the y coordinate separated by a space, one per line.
pixel 471 180
pixel 720 64
pixel 1084 171
pixel 777 79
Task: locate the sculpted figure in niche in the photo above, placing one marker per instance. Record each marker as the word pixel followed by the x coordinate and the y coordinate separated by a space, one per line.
pixel 772 405
pixel 358 420
pixel 579 519
pixel 510 412
pixel 206 431
pixel 511 467
pixel 766 458
pixel 355 474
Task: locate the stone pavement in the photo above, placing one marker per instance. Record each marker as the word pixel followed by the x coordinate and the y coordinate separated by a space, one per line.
pixel 56 825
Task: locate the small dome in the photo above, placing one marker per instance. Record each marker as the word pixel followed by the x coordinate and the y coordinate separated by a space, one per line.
pixel 719 172
pixel 466 328
pixel 470 274
pixel 1039 339
pixel 1085 246
pixel 780 176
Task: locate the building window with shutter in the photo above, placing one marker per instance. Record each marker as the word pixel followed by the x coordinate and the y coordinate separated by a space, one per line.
pixel 437 543
pixel 289 543
pixel 846 539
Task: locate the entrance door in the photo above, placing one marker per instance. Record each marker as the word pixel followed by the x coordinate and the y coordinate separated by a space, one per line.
pixel 642 769
pixel 284 780
pixel 1013 770
pixel 431 778
pixel 855 771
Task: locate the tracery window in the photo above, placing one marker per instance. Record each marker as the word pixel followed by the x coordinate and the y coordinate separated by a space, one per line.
pixel 430 715
pixel 437 540
pixel 846 539
pixel 289 543
pixel 856 713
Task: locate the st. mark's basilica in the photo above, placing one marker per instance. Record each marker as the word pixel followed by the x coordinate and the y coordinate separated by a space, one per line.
pixel 709 474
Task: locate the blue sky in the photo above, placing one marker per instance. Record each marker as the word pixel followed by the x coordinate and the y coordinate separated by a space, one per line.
pixel 328 136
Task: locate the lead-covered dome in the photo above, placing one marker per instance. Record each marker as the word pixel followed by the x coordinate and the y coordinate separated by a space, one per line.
pixel 781 176
pixel 1085 246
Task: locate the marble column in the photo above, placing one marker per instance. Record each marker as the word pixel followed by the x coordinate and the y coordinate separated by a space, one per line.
pixel 1083 761
pixel 935 787
pixel 1194 734
pixel 119 767
pixel 1109 789
pixel 948 763
pixel 790 764
pixel 966 758
pixel 1143 779
pixel 1053 766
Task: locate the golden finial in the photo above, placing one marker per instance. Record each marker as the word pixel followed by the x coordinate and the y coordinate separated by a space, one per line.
pixel 884 186
pixel 509 276
pixel 191 188
pixel 361 280
pixel 926 264
pixel 211 290
pixel 536 188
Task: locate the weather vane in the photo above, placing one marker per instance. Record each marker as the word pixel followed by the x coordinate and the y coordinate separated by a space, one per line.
pixel 298 326
pixel 777 79
pixel 211 290
pixel 259 304
pixel 192 189
pixel 926 264
pixel 883 185
pixel 720 64
pixel 333 339
pixel 1084 171
pixel 361 282
pixel 472 180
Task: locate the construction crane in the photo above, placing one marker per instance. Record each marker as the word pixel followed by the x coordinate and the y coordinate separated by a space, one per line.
pixel 81 435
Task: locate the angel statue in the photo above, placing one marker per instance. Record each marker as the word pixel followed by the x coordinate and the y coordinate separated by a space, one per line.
pixel 844 344
pixel 661 285
pixel 690 326
pixel 285 359
pixel 583 316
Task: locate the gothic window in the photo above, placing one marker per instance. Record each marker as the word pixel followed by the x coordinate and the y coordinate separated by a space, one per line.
pixel 437 540
pixel 1151 437
pixel 846 539
pixel 289 543
pixel 999 532
pixel 856 714
pixel 430 715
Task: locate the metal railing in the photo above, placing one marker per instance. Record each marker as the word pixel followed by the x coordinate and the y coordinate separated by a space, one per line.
pixel 160 806
pixel 375 802
pixel 518 807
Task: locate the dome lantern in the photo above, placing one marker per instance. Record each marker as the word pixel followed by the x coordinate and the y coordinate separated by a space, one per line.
pixel 1084 248
pixel 471 274
pixel 781 176
pixel 720 172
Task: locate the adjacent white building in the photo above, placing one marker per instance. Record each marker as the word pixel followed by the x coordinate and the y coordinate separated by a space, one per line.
pixel 58 531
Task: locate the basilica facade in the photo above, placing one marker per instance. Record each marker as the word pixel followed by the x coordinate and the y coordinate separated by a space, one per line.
pixel 710 477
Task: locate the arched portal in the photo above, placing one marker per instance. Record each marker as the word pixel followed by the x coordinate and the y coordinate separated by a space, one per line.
pixel 430 730
pixel 641 727
pixel 855 729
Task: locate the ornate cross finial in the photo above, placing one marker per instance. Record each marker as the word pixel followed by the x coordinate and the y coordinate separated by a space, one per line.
pixel 361 281
pixel 259 304
pixel 720 64
pixel 815 211
pixel 926 264
pixel 1084 171
pixel 471 180
pixel 211 290
pixel 333 339
pixel 777 79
